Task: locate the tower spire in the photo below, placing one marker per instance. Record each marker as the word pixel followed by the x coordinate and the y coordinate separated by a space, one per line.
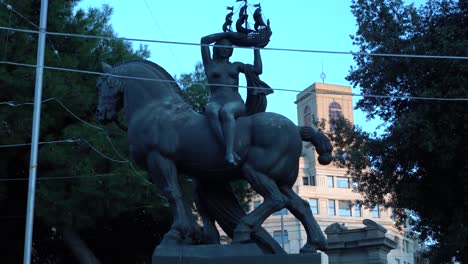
pixel 323 75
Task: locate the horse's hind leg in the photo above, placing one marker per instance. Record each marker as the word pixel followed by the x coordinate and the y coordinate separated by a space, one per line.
pixel 273 201
pixel 301 210
pixel 184 228
pixel 200 197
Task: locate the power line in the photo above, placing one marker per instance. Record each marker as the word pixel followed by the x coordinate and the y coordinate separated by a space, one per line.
pixel 103 155
pixel 123 159
pixel 272 49
pixel 15 104
pixel 162 33
pixel 240 86
pixel 60 177
pixel 70 140
pixel 11 8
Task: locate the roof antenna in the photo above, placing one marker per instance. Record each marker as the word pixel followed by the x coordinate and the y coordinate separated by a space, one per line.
pixel 323 75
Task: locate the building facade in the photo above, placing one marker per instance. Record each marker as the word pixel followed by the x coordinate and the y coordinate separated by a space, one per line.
pixel 327 188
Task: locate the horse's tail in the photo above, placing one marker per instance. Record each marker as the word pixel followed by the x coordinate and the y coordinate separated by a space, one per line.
pixel 221 203
pixel 321 143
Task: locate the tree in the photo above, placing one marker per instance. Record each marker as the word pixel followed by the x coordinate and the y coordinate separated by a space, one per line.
pixel 418 165
pixel 194 86
pixel 80 185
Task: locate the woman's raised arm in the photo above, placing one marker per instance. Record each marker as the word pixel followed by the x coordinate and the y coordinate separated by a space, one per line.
pixel 206 40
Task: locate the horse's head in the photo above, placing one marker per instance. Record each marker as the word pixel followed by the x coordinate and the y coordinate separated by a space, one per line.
pixel 109 90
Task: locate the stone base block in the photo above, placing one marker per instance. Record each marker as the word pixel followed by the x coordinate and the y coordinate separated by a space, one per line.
pixel 227 254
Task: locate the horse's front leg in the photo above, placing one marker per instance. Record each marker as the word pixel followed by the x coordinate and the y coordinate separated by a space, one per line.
pixel 184 229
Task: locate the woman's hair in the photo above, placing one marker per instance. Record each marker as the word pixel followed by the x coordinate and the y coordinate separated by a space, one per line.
pixel 222 42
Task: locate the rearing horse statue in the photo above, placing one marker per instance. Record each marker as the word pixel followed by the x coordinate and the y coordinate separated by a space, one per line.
pixel 166 137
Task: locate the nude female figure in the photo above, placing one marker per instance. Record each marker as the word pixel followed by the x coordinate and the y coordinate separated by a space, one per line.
pixel 225 103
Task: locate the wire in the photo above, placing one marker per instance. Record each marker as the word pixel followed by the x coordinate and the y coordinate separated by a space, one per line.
pixel 240 86
pixel 162 33
pixel 9 7
pixel 15 104
pixel 103 155
pixel 60 177
pixel 41 143
pixel 272 49
pixel 7 37
pixel 123 159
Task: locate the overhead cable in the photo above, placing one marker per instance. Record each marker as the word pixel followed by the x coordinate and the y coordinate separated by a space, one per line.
pixel 70 140
pixel 240 86
pixel 419 56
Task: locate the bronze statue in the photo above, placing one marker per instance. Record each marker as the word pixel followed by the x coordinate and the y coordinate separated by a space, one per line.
pixel 230 141
pixel 225 103
pixel 166 137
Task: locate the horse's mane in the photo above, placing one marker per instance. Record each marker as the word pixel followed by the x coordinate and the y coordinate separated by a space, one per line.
pixel 170 80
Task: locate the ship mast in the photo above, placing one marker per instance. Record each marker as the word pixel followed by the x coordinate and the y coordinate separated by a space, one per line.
pixel 245 13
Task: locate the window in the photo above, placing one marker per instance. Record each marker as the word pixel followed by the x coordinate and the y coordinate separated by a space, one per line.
pixel 342 182
pixel 397 261
pixel 357 210
pixel 307 116
pixel 313 203
pixel 405 246
pixel 281 236
pixel 305 180
pixel 309 180
pixel 330 182
pixel 344 208
pixel 331 207
pixel 335 113
pixel 375 211
pixel 283 211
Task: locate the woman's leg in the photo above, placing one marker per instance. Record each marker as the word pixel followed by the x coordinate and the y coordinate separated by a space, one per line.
pixel 212 112
pixel 228 114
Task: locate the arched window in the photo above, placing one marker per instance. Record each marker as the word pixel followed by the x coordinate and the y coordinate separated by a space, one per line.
pixel 335 113
pixel 307 116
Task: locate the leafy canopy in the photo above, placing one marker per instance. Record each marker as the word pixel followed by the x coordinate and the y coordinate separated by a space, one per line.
pixel 418 165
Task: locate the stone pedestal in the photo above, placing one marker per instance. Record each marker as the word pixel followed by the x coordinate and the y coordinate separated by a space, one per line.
pixel 363 245
pixel 227 254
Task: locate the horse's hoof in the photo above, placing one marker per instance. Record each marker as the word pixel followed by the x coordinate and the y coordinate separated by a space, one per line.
pixel 230 159
pixel 171 239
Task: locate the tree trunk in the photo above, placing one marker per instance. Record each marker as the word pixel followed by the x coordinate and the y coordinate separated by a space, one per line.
pixel 78 247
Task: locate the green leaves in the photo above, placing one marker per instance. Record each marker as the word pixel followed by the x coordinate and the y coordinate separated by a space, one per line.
pixel 79 184
pixel 195 87
pixel 417 161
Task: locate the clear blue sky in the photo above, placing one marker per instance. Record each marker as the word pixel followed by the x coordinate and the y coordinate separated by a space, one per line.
pixel 297 24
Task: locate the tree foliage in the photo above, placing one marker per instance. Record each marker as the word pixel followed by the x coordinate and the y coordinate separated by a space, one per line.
pixel 418 165
pixel 80 184
pixel 195 87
